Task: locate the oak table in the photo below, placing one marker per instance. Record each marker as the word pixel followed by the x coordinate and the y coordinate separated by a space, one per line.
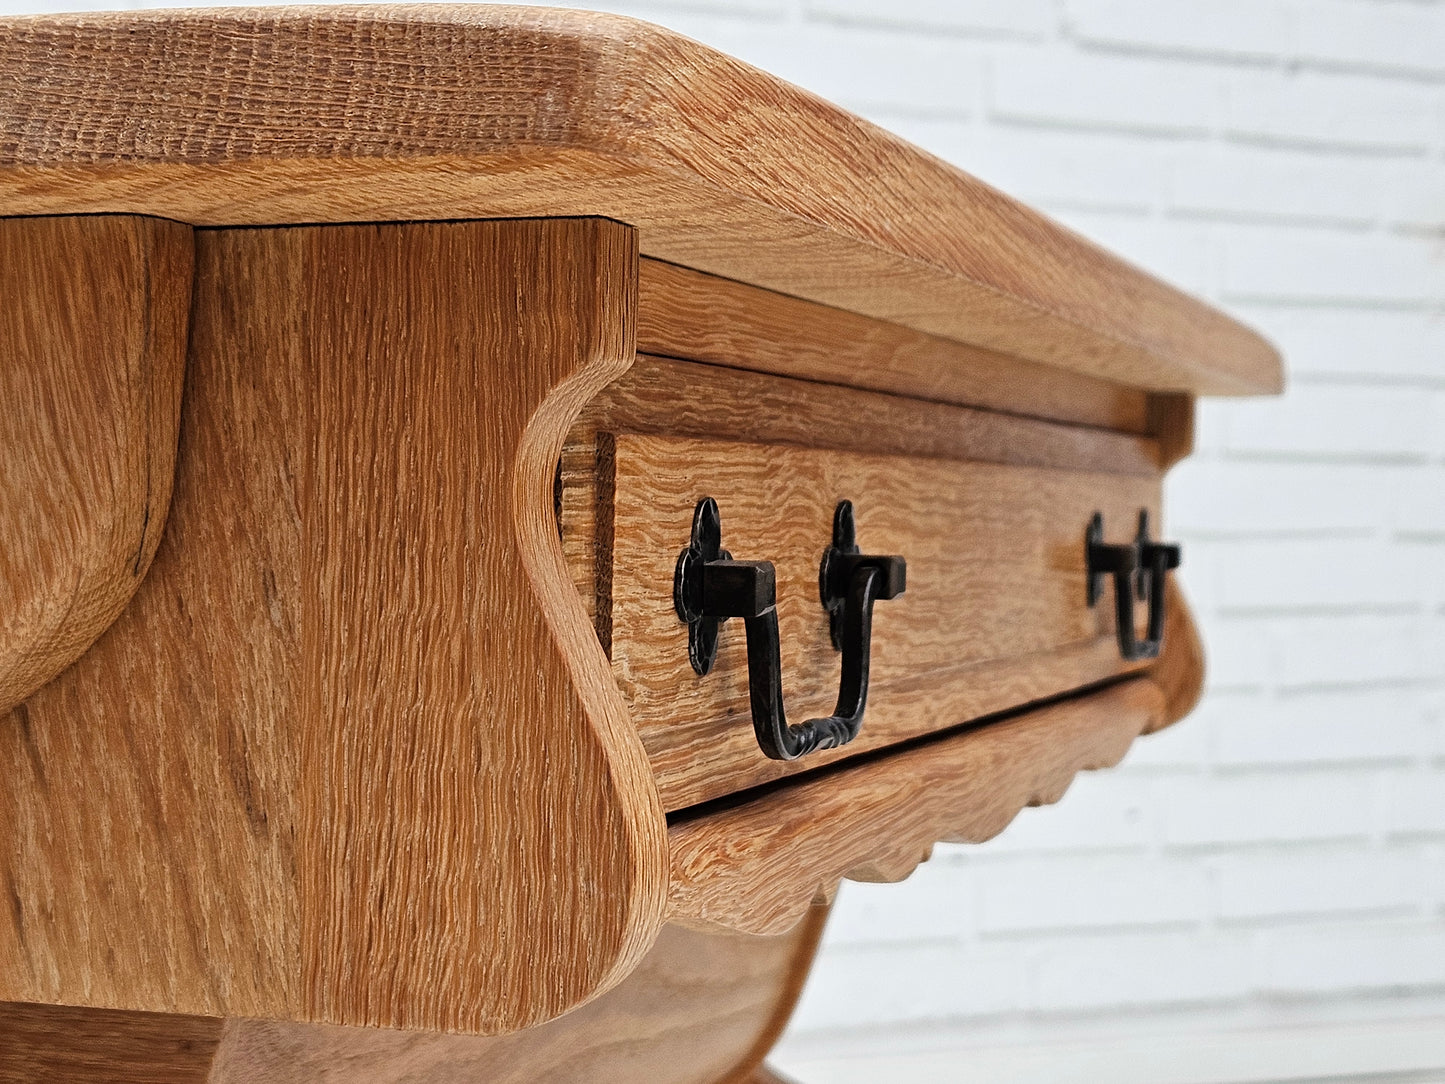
pixel 501 510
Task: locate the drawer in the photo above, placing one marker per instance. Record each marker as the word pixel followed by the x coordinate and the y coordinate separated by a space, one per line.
pixel 992 526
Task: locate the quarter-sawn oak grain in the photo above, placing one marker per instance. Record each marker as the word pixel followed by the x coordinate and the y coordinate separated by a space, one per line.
pixel 758 866
pixel 93 318
pixel 250 117
pixel 353 754
pixel 994 615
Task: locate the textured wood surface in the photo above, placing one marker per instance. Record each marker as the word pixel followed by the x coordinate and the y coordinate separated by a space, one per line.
pixel 92 352
pixel 758 866
pixel 683 313
pixel 353 754
pixel 250 117
pixel 699 1009
pixel 1179 673
pixel 63 1044
pixel 994 616
pixel 675 398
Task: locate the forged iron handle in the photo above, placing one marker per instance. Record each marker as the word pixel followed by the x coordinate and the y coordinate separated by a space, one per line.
pixel 709 587
pixel 1138 569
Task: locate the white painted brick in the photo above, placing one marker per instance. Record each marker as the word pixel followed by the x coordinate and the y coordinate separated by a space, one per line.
pixel 1175 748
pixel 1178 252
pixel 1024 18
pixel 1395 37
pixel 1242 653
pixel 1284 884
pixel 1338 650
pixel 1317 265
pixel 1414 804
pixel 1360 726
pixel 1213 498
pixel 1414 196
pixel 1331 110
pixel 934 904
pixel 1334 421
pixel 1313 575
pixel 1229 28
pixel 1401 956
pixel 1098 811
pixel 1419 500
pixel 861 70
pixel 1354 342
pixel 1272 807
pixel 1115 972
pixel 1031 895
pixel 1060 169
pixel 868 987
pixel 1061 88
pixel 1248 182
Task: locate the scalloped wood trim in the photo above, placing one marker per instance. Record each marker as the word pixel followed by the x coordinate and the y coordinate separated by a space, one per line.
pixel 92 353
pixel 758 866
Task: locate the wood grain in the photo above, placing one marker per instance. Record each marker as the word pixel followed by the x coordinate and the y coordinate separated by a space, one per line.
pixel 699 1009
pixel 1179 673
pixel 676 398
pixel 994 616
pixel 62 1044
pixel 354 754
pixel 683 313
pixel 759 865
pixel 93 342
pixel 249 117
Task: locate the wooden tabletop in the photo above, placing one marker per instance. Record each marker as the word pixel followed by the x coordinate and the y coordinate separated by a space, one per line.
pixel 288 115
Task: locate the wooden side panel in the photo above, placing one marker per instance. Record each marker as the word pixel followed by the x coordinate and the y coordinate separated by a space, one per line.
pixel 93 315
pixel 994 616
pixel 480 846
pixel 354 753
pixel 148 813
pixel 758 866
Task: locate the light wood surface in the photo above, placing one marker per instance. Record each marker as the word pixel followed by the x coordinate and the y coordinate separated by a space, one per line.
pixel 92 355
pixel 353 754
pixel 249 117
pixel 1179 673
pixel 675 398
pixel 758 866
pixel 64 1044
pixel 699 1009
pixel 994 616
pixel 682 313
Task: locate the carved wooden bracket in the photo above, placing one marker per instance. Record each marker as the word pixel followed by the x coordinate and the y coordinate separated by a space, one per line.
pixel 93 320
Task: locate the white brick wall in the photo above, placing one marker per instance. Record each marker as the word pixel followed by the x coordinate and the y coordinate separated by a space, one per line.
pixel 1260 893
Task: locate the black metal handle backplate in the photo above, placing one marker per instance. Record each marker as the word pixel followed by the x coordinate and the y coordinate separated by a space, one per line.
pixel 1138 569
pixel 709 587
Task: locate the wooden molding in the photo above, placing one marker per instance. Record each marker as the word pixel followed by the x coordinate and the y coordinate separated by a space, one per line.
pixel 686 314
pixel 93 318
pixel 248 117
pixel 757 865
pixel 353 754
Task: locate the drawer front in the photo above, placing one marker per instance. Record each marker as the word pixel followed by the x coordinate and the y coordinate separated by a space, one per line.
pixel 995 613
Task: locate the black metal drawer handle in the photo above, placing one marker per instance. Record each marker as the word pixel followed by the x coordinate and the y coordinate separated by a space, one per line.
pixel 709 587
pixel 1138 568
